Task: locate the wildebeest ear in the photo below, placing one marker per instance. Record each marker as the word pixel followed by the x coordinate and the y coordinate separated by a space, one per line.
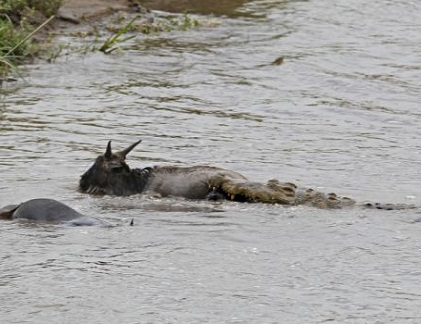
pixel 128 149
pixel 108 154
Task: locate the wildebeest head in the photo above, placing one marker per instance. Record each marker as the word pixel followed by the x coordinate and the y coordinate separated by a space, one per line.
pixel 110 174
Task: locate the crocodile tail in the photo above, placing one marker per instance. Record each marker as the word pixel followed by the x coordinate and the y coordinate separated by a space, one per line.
pixel 389 206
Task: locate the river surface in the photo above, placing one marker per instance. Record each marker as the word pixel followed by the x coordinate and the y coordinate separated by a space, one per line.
pixel 341 113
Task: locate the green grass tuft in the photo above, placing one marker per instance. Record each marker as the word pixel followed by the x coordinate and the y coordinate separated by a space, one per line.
pixel 16 30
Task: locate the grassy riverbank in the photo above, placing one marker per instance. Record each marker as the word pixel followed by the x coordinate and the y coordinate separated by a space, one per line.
pixel 19 20
pixel 120 20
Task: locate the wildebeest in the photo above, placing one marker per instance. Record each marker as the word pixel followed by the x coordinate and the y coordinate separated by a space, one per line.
pixel 111 175
pixel 49 211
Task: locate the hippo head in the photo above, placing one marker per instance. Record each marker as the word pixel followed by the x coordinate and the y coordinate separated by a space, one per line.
pixel 109 174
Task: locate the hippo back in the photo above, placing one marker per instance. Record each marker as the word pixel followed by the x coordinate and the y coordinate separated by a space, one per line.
pixel 46 210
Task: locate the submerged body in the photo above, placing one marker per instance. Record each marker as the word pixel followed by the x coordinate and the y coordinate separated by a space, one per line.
pixel 49 211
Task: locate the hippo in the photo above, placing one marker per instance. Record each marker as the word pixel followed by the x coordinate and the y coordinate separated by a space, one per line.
pixel 111 175
pixel 49 211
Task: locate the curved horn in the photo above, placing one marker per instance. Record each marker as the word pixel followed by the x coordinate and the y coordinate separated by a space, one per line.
pixel 108 154
pixel 128 149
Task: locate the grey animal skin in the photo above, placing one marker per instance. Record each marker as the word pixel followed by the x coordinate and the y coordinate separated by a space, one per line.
pixel 49 211
pixel 110 175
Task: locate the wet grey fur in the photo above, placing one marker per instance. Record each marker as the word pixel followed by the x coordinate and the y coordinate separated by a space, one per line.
pixel 110 175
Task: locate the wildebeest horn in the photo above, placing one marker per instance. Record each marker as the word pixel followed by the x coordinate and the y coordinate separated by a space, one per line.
pixel 108 154
pixel 128 149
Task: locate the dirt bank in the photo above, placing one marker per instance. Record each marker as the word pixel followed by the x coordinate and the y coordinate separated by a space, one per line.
pixel 78 11
pixel 205 7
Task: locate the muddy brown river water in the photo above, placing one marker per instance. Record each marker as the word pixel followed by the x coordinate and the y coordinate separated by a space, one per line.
pixel 341 113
